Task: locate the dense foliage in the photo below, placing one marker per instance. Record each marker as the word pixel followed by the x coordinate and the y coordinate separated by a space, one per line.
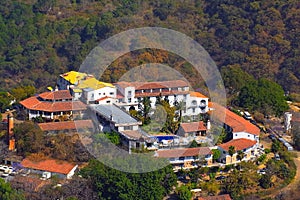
pixel 7 193
pixel 50 37
pixel 113 184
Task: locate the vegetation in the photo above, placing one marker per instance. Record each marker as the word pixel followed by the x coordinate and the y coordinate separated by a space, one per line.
pixel 51 37
pixel 184 193
pixel 216 154
pixel 113 184
pixel 7 193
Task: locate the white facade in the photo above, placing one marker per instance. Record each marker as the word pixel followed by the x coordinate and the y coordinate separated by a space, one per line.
pixel 287 121
pixel 90 95
pixel 195 105
pixel 245 135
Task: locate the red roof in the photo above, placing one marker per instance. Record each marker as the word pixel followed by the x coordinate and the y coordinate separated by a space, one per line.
pixel 56 95
pixel 219 197
pixel 197 94
pixel 154 85
pixel 67 125
pixel 236 122
pixel 175 153
pixel 33 103
pixel 239 144
pixel 193 126
pixel 49 165
pixel 156 94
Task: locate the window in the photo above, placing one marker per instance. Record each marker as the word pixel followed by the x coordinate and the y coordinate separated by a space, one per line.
pixel 127 128
pixel 194 110
pixel 107 101
pixel 111 93
pixel 248 135
pixel 235 134
pixel 103 93
pixel 129 92
pixel 99 94
pixel 129 100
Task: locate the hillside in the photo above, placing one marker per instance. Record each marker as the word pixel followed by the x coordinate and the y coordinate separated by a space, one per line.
pixel 40 39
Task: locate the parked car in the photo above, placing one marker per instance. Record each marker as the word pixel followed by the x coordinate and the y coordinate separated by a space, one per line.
pixel 277 157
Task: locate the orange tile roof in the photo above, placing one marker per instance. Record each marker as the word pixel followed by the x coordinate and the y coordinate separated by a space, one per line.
pixel 67 125
pixel 239 144
pixel 193 126
pixel 55 95
pixel 197 94
pixel 49 165
pixel 175 153
pixel 236 122
pixel 32 103
pixel 153 85
pixel 219 197
pixel 156 94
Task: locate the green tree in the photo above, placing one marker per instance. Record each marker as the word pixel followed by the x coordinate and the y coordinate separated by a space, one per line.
pixel 231 151
pixel 184 193
pixel 240 155
pixel 7 193
pixel 216 154
pixel 275 146
pixel 193 144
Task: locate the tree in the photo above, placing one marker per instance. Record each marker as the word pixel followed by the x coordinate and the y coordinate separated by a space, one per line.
pixel 240 155
pixel 29 137
pixel 7 193
pixel 231 151
pixel 113 184
pixel 184 193
pixel 193 144
pixel 216 154
pixel 180 106
pixel 275 146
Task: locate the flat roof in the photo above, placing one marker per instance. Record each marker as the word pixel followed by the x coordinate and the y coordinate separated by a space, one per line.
pixel 114 114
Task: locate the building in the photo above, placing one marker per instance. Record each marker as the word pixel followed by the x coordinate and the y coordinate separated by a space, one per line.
pixel 53 106
pixel 193 131
pixel 60 168
pixel 110 117
pixel 67 126
pixel 90 90
pixel 70 78
pixel 130 95
pixel 186 158
pixel 245 135
pixel 248 147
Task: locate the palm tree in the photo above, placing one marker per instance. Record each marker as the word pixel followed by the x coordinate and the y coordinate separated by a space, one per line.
pixel 231 151
pixel 180 106
pixel 240 155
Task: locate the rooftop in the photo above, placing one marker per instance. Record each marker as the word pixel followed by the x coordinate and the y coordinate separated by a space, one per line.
pixel 49 165
pixel 56 95
pixel 193 126
pixel 236 122
pixel 33 103
pixel 73 77
pixel 66 125
pixel 239 144
pixel 175 153
pixel 197 94
pixel 92 83
pixel 154 85
pixel 115 114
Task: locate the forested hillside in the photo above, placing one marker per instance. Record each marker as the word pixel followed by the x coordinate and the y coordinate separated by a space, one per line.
pixel 40 39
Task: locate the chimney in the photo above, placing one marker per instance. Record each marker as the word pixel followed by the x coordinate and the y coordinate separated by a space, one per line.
pixel 10 133
pixel 208 125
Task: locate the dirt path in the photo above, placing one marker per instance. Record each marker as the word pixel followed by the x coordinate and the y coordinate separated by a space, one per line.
pixel 295 183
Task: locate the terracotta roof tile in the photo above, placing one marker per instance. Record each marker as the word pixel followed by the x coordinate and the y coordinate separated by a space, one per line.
pixel 175 153
pixel 236 122
pixel 197 94
pixel 32 103
pixel 156 94
pixel 239 144
pixel 50 165
pixel 193 126
pixel 67 125
pixel 153 85
pixel 56 95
